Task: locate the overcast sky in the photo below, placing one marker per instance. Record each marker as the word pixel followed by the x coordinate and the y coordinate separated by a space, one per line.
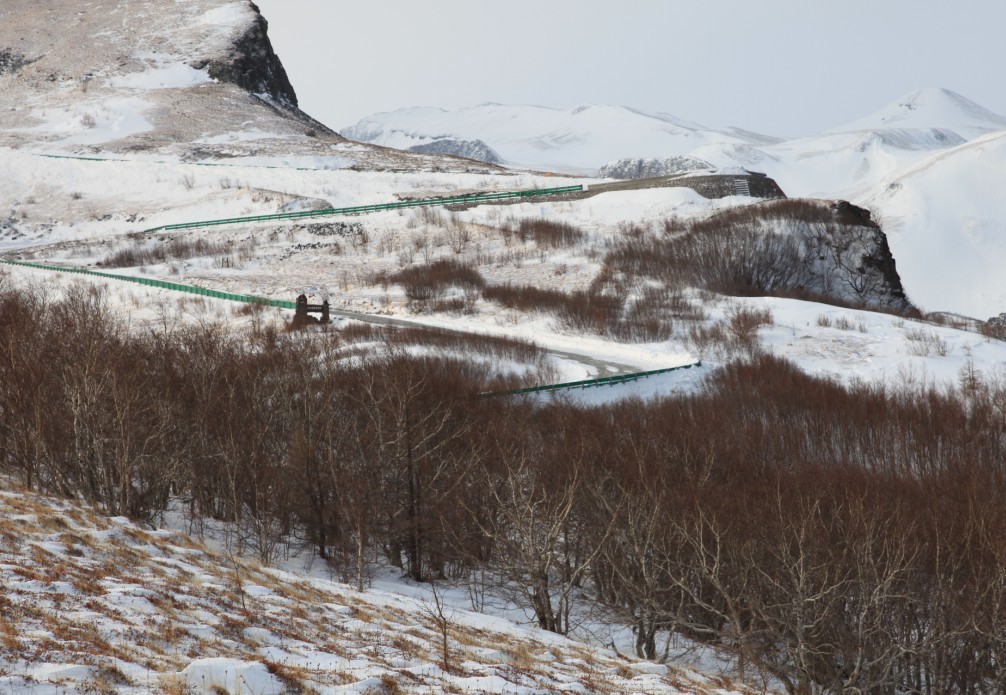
pixel 783 67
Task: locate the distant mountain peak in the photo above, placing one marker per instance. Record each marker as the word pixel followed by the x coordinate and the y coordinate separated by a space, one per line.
pixel 931 108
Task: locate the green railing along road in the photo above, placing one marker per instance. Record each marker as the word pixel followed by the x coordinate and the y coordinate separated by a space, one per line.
pixel 474 198
pixel 355 210
pixel 162 284
pixel 591 383
pixel 251 299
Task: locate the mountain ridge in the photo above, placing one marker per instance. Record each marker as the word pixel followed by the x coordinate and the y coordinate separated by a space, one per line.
pixel 533 136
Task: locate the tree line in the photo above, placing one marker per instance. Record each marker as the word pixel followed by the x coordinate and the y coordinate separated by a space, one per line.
pixel 830 538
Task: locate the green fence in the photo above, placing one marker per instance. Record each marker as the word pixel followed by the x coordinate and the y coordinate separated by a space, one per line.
pixel 251 299
pixel 591 383
pixel 162 284
pixel 474 198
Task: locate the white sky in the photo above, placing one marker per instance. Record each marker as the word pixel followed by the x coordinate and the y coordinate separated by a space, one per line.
pixel 783 67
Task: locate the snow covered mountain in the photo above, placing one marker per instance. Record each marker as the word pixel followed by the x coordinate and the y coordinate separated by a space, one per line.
pixel 184 114
pixel 945 218
pixel 930 165
pixel 931 109
pixel 845 162
pixel 576 140
pixel 195 80
pixel 848 161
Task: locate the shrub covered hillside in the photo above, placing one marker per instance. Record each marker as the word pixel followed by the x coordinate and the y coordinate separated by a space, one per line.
pixel 825 251
pixel 844 539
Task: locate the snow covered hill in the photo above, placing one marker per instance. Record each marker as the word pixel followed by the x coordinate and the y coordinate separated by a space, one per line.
pixel 945 219
pixel 172 129
pixel 576 140
pixel 849 161
pixel 195 80
pixel 952 208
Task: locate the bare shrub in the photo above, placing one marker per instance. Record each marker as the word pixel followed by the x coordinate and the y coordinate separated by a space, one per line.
pixel 549 233
pixel 993 330
pixel 792 248
pixel 648 317
pixel 425 282
pixel 152 252
pixel 830 538
pixel 743 323
pixel 525 297
pixel 458 234
pixel 923 342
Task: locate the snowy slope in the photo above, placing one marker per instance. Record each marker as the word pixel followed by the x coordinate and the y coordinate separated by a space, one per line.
pixel 946 224
pixel 99 605
pixel 194 81
pixel 928 109
pixel 848 161
pixel 580 139
pixel 105 606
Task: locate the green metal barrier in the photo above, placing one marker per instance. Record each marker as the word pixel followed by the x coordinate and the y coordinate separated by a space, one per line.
pixel 162 284
pixel 279 303
pixel 591 383
pixel 363 209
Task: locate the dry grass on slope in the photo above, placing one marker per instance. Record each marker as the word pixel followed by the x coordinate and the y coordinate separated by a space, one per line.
pixel 93 604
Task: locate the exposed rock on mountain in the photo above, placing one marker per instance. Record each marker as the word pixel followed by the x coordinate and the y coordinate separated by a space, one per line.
pixel 470 149
pixel 812 248
pixel 649 167
pixel 721 184
pixel 11 61
pixel 252 64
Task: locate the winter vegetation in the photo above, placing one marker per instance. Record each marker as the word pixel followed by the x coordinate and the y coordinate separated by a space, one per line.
pixel 205 496
pixel 823 536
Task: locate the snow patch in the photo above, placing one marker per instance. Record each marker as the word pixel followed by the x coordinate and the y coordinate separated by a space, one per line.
pixel 232 676
pixel 176 76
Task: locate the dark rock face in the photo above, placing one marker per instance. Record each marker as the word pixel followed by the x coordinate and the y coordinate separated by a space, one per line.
pixel 651 168
pixel 812 249
pixel 848 256
pixel 254 66
pixel 712 186
pixel 470 149
pixel 996 326
pixel 11 62
pixel 876 259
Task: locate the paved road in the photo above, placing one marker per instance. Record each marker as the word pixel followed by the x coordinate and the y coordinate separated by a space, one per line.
pixel 600 367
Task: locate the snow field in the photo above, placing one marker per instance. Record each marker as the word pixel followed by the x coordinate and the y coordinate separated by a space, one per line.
pixel 291 258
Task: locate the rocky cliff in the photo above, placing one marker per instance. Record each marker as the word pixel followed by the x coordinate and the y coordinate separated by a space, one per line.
pixel 470 149
pixel 252 64
pixel 647 168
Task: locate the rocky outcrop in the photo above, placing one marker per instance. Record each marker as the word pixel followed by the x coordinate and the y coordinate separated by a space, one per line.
pixel 253 65
pixel 648 168
pixel 996 326
pixel 469 149
pixel 820 250
pixel 875 259
pixel 718 185
pixel 11 61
